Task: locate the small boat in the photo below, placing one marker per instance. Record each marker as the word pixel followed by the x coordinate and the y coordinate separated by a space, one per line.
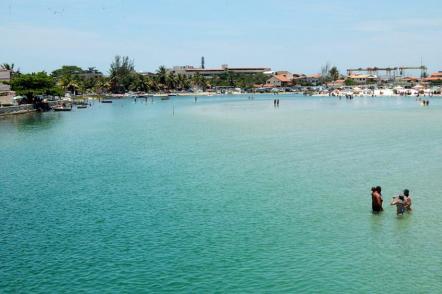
pixel 81 106
pixel 62 108
pixel 165 97
pixel 106 101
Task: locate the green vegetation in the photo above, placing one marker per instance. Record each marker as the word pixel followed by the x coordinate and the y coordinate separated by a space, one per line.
pixel 123 78
pixel 329 73
pixel 334 73
pixel 350 82
pixel 121 74
pixel 229 79
pixel 33 84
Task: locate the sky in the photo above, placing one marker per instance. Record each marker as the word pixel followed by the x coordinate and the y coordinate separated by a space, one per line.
pixel 298 35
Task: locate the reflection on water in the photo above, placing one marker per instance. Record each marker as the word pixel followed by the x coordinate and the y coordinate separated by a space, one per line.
pixel 32 120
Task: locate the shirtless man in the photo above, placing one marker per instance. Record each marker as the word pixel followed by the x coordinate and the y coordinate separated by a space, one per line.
pixel 376 199
pixel 407 199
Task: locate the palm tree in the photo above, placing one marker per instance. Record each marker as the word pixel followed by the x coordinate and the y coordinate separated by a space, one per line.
pixel 182 82
pixel 162 76
pixel 102 85
pixel 199 81
pixel 7 66
pixel 10 67
pixel 171 81
pixel 152 84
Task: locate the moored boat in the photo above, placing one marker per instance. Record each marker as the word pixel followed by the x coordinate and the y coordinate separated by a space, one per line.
pixel 62 108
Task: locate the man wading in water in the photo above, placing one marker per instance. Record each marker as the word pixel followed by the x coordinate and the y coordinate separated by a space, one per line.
pixel 376 199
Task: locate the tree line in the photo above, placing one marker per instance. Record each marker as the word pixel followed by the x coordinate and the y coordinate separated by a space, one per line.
pixel 121 78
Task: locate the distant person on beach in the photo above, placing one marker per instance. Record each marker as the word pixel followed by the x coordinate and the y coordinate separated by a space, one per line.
pixel 376 199
pixel 277 102
pixel 274 102
pixel 407 199
pixel 400 204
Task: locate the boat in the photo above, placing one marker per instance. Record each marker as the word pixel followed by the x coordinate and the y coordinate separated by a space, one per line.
pixel 106 101
pixel 62 108
pixel 81 106
pixel 165 97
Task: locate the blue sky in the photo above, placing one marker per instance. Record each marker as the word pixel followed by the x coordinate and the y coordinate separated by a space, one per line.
pixel 297 35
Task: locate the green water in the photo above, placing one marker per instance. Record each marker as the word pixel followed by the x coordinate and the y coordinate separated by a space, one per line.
pixel 225 195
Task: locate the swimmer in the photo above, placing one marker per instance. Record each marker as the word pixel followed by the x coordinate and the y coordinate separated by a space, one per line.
pixel 407 199
pixel 400 204
pixel 376 199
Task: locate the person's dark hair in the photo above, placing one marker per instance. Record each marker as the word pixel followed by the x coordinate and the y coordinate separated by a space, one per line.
pixel 401 197
pixel 373 189
pixel 378 189
pixel 406 192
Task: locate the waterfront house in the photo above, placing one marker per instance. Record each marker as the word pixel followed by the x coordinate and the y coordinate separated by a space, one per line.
pixel 336 84
pixel 6 95
pixel 363 79
pixel 435 78
pixel 313 80
pixel 407 81
pixel 279 80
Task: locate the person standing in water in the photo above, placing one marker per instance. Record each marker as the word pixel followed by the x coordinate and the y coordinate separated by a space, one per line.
pixel 376 199
pixel 407 199
pixel 400 204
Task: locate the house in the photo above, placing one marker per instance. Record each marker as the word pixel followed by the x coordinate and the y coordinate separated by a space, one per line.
pixel 313 80
pixel 279 80
pixel 5 75
pixel 363 79
pixel 435 78
pixel 408 81
pixel 336 84
pixel 6 95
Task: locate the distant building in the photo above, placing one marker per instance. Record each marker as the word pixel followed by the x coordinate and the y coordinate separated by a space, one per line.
pixel 435 78
pixel 407 81
pixel 363 79
pixel 314 79
pixel 90 73
pixel 285 73
pixel 337 83
pixel 189 70
pixel 6 95
pixel 147 73
pixel 5 75
pixel 280 79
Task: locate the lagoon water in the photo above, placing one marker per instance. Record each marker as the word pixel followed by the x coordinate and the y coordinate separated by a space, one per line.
pixel 224 195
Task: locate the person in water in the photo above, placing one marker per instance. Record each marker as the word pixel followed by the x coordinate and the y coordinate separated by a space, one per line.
pixel 376 199
pixel 407 199
pixel 400 204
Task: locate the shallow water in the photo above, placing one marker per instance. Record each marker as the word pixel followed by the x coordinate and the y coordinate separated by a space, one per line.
pixel 226 195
